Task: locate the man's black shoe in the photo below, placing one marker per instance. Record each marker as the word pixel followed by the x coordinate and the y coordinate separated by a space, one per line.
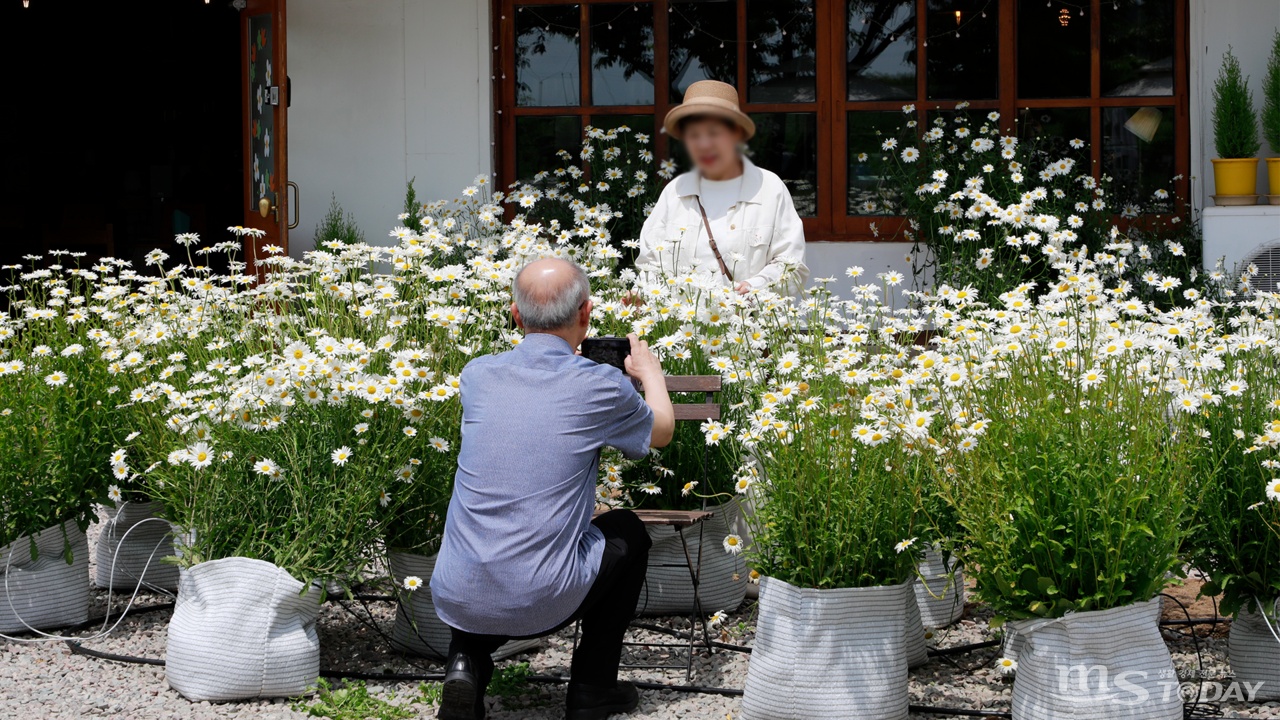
pixel 587 702
pixel 460 697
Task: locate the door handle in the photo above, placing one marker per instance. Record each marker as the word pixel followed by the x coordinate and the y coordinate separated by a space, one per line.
pixel 297 213
pixel 265 208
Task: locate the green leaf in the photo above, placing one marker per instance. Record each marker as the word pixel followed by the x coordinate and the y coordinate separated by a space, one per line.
pixel 1047 585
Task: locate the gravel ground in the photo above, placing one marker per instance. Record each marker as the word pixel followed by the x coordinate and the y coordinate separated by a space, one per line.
pixel 47 680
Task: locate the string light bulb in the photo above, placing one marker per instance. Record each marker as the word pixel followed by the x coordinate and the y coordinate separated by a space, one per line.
pixel 26 3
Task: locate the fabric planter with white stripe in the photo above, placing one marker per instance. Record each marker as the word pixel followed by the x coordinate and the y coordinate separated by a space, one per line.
pixel 1254 651
pixel 418 630
pixel 829 654
pixel 131 548
pixel 47 592
pixel 917 645
pixel 942 599
pixel 668 589
pixel 1096 665
pixel 241 629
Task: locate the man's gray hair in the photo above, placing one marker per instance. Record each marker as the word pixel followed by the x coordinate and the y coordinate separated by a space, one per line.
pixel 549 307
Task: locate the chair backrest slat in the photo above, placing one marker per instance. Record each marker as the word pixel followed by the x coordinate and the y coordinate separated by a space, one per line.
pixel 694 383
pixel 697 411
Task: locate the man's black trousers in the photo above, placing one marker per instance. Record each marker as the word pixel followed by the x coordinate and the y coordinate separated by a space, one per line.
pixel 608 608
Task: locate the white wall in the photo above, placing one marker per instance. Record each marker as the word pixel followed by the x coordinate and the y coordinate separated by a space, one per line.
pixel 1248 27
pixel 831 259
pixel 385 90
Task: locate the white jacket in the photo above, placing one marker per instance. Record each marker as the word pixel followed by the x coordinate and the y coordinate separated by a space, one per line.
pixel 765 237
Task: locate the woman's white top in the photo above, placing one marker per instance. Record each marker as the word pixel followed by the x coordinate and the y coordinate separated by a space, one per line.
pixel 759 233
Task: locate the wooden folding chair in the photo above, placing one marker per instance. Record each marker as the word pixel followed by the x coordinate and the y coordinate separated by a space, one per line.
pixel 681 520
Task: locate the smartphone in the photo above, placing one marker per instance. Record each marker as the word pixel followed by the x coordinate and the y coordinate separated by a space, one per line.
pixel 607 351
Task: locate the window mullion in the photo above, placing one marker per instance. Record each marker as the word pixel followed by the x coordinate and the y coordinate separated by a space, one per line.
pixel 1095 109
pixel 661 74
pixel 1008 65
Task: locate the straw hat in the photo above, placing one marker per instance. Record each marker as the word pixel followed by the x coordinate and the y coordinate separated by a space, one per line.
pixel 709 97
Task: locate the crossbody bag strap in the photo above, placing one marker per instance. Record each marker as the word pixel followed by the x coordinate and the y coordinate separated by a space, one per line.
pixel 711 239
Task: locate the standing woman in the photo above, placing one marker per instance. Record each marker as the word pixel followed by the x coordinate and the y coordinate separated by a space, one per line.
pixel 727 216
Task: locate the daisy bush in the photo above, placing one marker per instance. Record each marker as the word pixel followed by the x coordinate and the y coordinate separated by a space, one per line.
pixel 844 429
pixel 58 422
pixel 608 188
pixel 1235 384
pixel 1080 493
pixel 995 211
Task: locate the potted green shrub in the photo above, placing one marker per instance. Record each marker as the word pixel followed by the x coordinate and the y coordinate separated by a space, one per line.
pixel 844 463
pixel 1271 117
pixel 1235 136
pixel 1076 500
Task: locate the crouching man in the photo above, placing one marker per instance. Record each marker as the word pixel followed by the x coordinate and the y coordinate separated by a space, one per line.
pixel 521 555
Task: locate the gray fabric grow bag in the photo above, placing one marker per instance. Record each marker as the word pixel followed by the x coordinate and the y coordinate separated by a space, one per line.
pixel 942 599
pixel 46 593
pixel 669 590
pixel 418 630
pixel 1098 665
pixel 832 654
pixel 242 629
pixel 1255 652
pixel 131 547
pixel 917 646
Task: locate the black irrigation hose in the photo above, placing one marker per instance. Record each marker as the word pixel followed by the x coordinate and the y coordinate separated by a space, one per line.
pixel 930 710
pixel 79 649
pixel 133 610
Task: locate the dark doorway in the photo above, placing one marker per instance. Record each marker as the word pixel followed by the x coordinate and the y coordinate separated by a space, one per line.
pixel 122 126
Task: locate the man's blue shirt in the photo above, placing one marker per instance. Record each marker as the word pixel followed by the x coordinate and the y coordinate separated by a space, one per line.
pixel 519 550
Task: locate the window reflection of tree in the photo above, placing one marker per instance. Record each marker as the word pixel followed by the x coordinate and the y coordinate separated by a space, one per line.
pixel 782 65
pixel 537 29
pixel 888 24
pixel 621 43
pixel 702 55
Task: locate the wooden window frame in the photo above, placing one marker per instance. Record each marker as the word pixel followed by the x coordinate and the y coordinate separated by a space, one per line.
pixel 833 223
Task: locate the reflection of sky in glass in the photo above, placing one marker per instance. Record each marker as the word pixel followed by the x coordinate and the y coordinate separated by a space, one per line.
pixel 781 59
pixel 619 49
pixel 890 73
pixel 546 60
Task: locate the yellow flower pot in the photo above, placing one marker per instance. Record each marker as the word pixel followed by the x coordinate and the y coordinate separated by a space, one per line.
pixel 1235 176
pixel 1273 177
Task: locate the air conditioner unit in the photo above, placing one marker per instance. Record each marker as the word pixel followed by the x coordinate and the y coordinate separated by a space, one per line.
pixel 1240 236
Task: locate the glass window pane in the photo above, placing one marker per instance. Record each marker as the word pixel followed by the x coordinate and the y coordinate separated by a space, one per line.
pixel 881 56
pixel 869 194
pixel 781 58
pixel 547 57
pixel 1137 48
pixel 539 138
pixel 963 54
pixel 787 144
pixel 637 123
pixel 1053 51
pixel 622 54
pixel 1055 128
pixel 703 37
pixel 1137 152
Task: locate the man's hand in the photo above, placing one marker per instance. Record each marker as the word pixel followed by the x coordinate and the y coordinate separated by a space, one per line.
pixel 643 366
